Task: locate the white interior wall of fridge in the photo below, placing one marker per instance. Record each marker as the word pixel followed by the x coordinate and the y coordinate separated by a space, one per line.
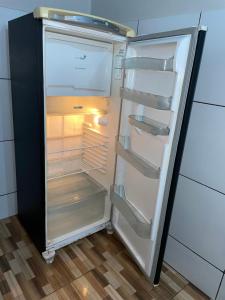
pixel 143 193
pixel 80 146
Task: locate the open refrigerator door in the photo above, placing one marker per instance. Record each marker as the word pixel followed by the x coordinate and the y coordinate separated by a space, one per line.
pixel 160 75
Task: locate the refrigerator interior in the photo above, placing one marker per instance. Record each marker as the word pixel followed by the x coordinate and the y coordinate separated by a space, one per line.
pixel 154 76
pixel 76 148
pixel 82 106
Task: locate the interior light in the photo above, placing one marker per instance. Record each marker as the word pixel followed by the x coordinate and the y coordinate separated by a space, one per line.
pixel 96 119
pixel 85 291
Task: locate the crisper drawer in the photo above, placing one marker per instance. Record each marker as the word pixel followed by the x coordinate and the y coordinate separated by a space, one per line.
pixel 73 202
pixel 76 66
pixel 192 267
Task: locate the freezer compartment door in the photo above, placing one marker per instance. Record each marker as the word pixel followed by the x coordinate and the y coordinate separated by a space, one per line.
pixel 160 74
pixel 77 66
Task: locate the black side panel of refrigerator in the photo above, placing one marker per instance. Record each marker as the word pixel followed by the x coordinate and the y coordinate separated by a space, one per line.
pixel 180 149
pixel 26 64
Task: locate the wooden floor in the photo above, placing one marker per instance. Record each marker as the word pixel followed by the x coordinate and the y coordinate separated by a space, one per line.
pixel 97 267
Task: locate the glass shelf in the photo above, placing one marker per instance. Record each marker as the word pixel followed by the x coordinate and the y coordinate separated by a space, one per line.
pixel 149 125
pixel 148 63
pixel 146 99
pixel 63 167
pixel 72 190
pixel 73 202
pixel 78 110
pixel 143 166
pixel 83 147
pixel 139 224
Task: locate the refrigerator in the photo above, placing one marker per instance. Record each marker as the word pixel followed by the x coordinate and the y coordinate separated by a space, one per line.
pixel 100 119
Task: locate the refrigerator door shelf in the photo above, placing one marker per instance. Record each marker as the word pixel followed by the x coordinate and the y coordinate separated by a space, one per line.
pixel 148 63
pixel 143 166
pixel 138 223
pixel 148 125
pixel 146 99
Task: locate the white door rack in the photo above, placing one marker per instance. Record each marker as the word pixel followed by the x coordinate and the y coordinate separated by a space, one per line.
pixel 146 99
pixel 148 125
pixel 148 63
pixel 138 223
pixel 146 168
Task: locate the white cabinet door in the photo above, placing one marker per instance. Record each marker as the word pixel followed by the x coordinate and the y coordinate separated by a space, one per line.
pixel 8 204
pixel 5 16
pixel 198 220
pixel 76 66
pixel 6 117
pixel 7 169
pixel 221 294
pixel 203 275
pixel 210 87
pixel 203 158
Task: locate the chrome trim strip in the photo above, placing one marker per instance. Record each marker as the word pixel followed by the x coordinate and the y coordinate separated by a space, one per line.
pixel 88 21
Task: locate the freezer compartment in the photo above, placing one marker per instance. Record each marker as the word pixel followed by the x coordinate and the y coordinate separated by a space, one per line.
pixel 146 99
pixel 73 202
pixel 146 168
pixel 148 125
pixel 149 63
pixel 79 66
pixel 138 223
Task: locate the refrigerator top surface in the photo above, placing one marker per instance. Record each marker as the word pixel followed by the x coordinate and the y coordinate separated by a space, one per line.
pixel 77 18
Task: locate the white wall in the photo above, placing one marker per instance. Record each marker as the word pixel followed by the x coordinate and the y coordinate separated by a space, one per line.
pixel 132 9
pixel 29 5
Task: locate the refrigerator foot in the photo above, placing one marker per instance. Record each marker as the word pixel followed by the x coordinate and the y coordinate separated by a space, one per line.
pixel 109 228
pixel 49 256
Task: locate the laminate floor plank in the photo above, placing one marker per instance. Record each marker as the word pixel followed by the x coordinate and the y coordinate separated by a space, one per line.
pixel 94 268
